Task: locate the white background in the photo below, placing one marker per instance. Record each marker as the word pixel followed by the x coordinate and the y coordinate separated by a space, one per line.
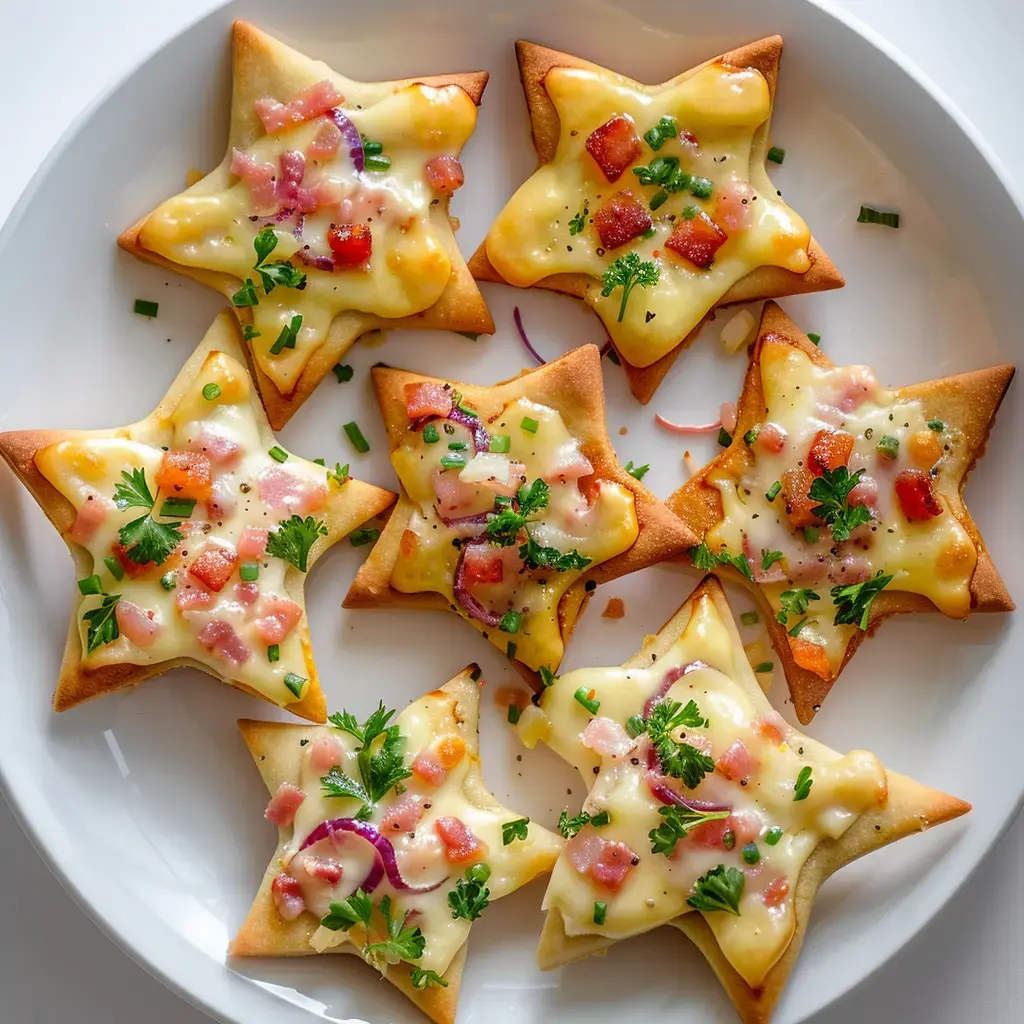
pixel 55 965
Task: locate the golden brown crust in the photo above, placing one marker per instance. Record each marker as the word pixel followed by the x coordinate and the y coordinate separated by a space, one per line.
pixel 763 55
pixel 571 384
pixel 264 66
pixel 348 508
pixel 910 807
pixel 969 399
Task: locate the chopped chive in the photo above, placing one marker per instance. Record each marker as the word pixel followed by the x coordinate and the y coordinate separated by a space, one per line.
pixel 377 163
pixel 529 424
pixel 146 308
pixel 510 650
pixel 278 454
pixel 803 784
pixel 773 835
pixel 764 666
pixel 249 572
pixel 724 437
pixel 750 618
pixel 776 154
pixel 286 339
pixel 728 839
pixel 500 444
pixel 295 683
pixel 457 446
pixel 249 332
pixel 547 677
pixel 872 216
pixel 510 621
pixel 799 627
pixel 372 148
pixel 701 188
pixel 600 912
pixel 815 338
pixel 430 434
pixel 513 714
pixel 750 853
pixel 115 567
pixel 889 446
pixel 167 581
pixel 637 472
pixel 811 534
pixel 355 435
pixel 773 492
pixel 751 436
pixel 937 425
pixel 357 538
pixel 211 391
pixel 274 652
pixel 453 460
pixel 658 199
pixel 343 372
pixel 582 696
pixel 90 585
pixel 180 508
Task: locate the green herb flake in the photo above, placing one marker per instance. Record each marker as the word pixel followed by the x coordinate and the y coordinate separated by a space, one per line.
pixel 430 434
pixel 600 912
pixel 513 830
pixel 776 155
pixel 773 492
pixel 637 472
pixel 146 308
pixel 529 424
pixel 295 683
pixel 868 215
pixel 773 835
pixel 764 666
pixel 360 537
pixel 355 436
pixel 750 853
pixel 514 714
pixel 802 788
pixel 500 444
pixel 167 581
pixel 888 447
pixel 626 273
pixel 720 889
pixel 583 697
pixel 724 437
pixel 90 585
pixel 278 454
pixel 293 539
pixel 937 425
pixel 273 653
pixel 343 372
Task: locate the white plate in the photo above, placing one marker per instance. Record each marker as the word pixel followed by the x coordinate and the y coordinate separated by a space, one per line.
pixel 147 806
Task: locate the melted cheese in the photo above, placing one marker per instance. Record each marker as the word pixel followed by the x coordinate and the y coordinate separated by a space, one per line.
pixel 409 266
pixel 934 558
pixel 723 106
pixel 88 470
pixel 656 889
pixel 598 530
pixel 421 856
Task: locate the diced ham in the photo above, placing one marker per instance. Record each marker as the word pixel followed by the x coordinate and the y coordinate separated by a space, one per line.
pixel 621 219
pixel 277 617
pixel 460 844
pixel 309 103
pixel 323 869
pixel 830 449
pixel 727 416
pixel 734 210
pixel 853 569
pixel 213 567
pixel 737 762
pixel 775 892
pixel 139 625
pixel 190 597
pixel 252 545
pixel 606 737
pixel 326 141
pixel 771 438
pixel 602 860
pixel 287 896
pixel 427 398
pixel 185 474
pixel 247 593
pixel 291 194
pixel 772 727
pixel 744 827
pixel 697 240
pixel 350 244
pixel 810 656
pixel 570 464
pixel 444 173
pixel 220 638
pixel 283 491
pixel 773 574
pixel 91 515
pixel 427 767
pixel 483 564
pixel 284 804
pixel 917 496
pixel 614 146
pixel 260 178
pixel 403 815
pixel 857 385
pixel 220 450
pixel 796 486
pixel 325 752
pixel 864 492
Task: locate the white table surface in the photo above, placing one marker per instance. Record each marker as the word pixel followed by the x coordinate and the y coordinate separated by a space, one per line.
pixel 56 965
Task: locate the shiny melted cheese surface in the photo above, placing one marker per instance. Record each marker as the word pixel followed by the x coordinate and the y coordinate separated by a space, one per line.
pixel 87 471
pixel 934 558
pixel 598 529
pixel 722 106
pixel 655 891
pixel 409 266
pixel 426 725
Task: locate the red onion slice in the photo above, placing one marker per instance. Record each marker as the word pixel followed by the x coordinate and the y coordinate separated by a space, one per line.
pixel 673 675
pixel 351 135
pixel 470 605
pixel 476 519
pixel 525 340
pixel 314 259
pixel 481 439
pixel 669 796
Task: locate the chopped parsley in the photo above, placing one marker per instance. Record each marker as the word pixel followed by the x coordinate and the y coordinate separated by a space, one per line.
pixel 637 472
pixel 513 830
pixel 937 425
pixel 511 621
pixel 402 942
pixel 832 491
pixel 569 827
pixel 271 274
pixel 769 558
pixel 794 602
pixel 678 823
pixel 666 172
pixel 90 585
pixel 803 784
pixel 357 538
pixel 750 853
pixel 536 556
pixel 626 273
pixel 144 539
pixel 424 979
pixel 764 666
pixel 249 332
pixel 579 222
pixel 102 623
pixel 706 560
pixel 504 528
pixel 720 889
pixel 470 897
pixel 853 602
pixel 665 129
pixel 678 759
pixel 339 474
pixel 888 446
pixel 293 539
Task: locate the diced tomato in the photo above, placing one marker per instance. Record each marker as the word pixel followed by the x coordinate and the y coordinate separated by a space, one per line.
pixel 220 638
pixel 252 545
pixel 737 762
pixel 775 892
pixel 830 449
pixel 139 625
pixel 621 219
pixel 709 834
pixel 287 896
pixel 444 173
pixel 403 815
pixel 185 475
pixel 131 568
pixel 483 564
pixel 325 752
pixel 351 244
pixel 796 485
pixel 427 398
pixel 427 767
pixel 283 804
pixel 91 515
pixel 213 567
pixel 192 598
pixel 810 656
pixel 450 752
pixel 771 438
pixel 697 240
pixel 277 618
pixel 614 146
pixel 460 844
pixel 917 496
pixel 602 860
pixel 311 102
pixel 247 593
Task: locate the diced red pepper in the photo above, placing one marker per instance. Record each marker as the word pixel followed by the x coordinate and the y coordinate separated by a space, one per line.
pixel 796 483
pixel 775 892
pixel 444 173
pixel 460 844
pixel 621 219
pixel 427 399
pixel 614 146
pixel 483 564
pixel 213 567
pixel 697 240
pixel 185 475
pixel 917 496
pixel 830 449
pixel 810 656
pixel 351 244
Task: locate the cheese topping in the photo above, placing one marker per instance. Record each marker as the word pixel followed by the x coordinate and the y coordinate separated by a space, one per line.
pixel 417 819
pixel 714 114
pixel 764 828
pixel 303 186
pixel 815 416
pixel 508 582
pixel 215 595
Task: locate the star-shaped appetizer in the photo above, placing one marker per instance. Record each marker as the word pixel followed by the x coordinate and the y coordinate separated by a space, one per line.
pixel 390 845
pixel 839 503
pixel 328 217
pixel 192 532
pixel 706 810
pixel 651 202
pixel 513 505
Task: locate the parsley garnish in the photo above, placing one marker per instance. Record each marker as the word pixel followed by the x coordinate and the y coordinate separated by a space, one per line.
pixel 636 472
pixel 504 528
pixel 720 889
pixel 356 909
pixel 853 602
pixel 795 602
pixel 769 558
pixel 133 491
pixel 402 943
pixel 536 556
pixel 339 474
pixel 680 760
pixel 832 490
pixel 424 979
pixel 470 897
pixel 293 539
pixel 102 628
pixel 579 222
pixel 803 784
pixel 145 539
pixel 627 272
pixel 570 826
pixel 706 560
pixel 513 830
pixel 271 274
pixel 289 333
pixel 677 825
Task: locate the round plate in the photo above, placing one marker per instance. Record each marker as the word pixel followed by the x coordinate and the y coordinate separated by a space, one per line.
pixel 146 804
